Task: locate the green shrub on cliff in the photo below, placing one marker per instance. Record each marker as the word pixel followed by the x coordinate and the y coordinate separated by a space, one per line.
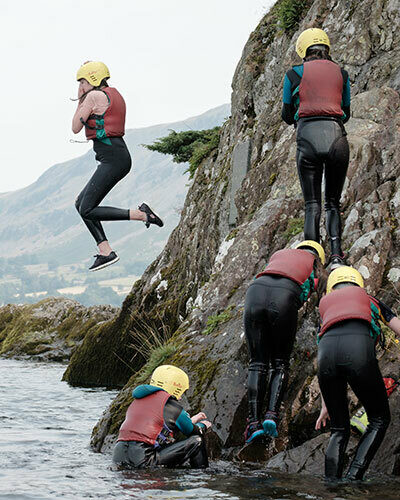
pixel 191 146
pixel 290 13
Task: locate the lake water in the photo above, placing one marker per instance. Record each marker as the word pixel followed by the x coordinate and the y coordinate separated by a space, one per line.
pixel 45 428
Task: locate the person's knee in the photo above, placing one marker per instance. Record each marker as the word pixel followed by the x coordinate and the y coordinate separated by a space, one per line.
pixel 195 441
pixel 379 423
pixel 84 211
pixel 332 204
pixel 313 207
pixel 82 208
pixel 280 364
pixel 258 366
pixel 340 434
pixel 78 205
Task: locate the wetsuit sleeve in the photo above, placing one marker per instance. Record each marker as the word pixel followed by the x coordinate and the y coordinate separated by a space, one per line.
pixel 186 426
pixel 288 112
pixel 176 418
pixel 346 95
pixel 385 313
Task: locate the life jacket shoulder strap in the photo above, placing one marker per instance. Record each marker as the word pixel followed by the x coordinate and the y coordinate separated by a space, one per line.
pixel 294 78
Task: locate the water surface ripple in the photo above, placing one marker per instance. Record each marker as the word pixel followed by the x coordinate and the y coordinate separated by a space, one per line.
pixel 44 453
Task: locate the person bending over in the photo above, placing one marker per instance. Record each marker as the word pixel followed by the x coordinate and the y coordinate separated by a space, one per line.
pixel 346 355
pixel 270 323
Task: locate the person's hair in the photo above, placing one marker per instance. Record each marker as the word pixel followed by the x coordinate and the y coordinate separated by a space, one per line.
pixel 103 83
pixel 317 53
pixel 344 284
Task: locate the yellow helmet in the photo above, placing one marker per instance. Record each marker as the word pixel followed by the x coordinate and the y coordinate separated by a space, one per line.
pixel 171 379
pixel 316 246
pixel 312 36
pixel 344 274
pixel 93 72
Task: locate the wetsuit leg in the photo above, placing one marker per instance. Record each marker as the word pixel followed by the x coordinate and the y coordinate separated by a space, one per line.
pixel 270 321
pixel 346 353
pixel 255 327
pixel 133 454
pixel 333 385
pixel 335 175
pixel 192 449
pixel 277 384
pixel 310 170
pixel 115 163
pixel 369 388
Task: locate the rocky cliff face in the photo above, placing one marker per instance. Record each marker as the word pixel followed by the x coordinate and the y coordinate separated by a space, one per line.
pixel 245 203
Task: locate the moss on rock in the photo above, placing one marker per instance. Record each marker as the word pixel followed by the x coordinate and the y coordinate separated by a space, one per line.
pixel 53 326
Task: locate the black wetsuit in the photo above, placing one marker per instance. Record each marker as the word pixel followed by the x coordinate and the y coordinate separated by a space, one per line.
pixel 321 145
pixel 138 455
pixel 270 323
pixel 346 355
pixel 115 164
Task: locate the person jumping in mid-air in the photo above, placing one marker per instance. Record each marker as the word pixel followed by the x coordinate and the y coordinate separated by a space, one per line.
pixel 316 99
pixel 101 110
pixel 270 324
pixel 153 420
pixel 346 355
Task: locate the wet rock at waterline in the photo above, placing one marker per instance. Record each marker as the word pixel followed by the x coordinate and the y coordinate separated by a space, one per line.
pixel 49 330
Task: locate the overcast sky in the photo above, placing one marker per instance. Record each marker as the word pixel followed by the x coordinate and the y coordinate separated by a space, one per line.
pixel 171 59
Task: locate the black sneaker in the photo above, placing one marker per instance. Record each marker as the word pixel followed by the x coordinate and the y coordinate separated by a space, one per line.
pixel 104 261
pixel 152 218
pixel 336 261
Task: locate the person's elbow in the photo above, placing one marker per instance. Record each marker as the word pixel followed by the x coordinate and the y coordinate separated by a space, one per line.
pixel 76 127
pixel 287 114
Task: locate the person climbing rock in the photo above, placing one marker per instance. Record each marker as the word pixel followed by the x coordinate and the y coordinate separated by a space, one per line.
pixel 270 323
pixel 146 437
pixel 346 355
pixel 101 110
pixel 316 99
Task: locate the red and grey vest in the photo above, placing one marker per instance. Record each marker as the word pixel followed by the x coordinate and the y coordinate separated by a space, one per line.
pixel 144 419
pixel 321 89
pixel 296 265
pixel 112 122
pixel 347 303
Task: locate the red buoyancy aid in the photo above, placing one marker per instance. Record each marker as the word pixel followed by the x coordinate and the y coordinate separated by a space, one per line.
pixel 295 264
pixel 321 89
pixel 144 418
pixel 114 117
pixel 351 302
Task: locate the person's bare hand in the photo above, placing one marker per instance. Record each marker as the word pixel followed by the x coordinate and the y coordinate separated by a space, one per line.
pixel 207 423
pixel 323 417
pixel 199 416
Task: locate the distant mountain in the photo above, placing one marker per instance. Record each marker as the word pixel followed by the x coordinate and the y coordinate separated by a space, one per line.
pixel 39 224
